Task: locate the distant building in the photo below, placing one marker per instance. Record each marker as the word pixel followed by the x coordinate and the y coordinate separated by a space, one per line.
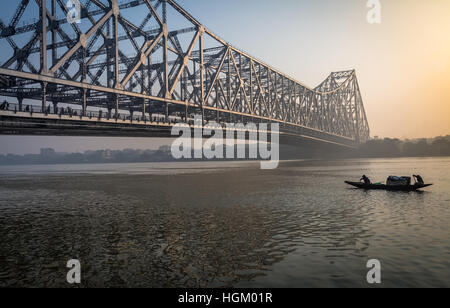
pixel 165 149
pixel 48 152
pixel 107 154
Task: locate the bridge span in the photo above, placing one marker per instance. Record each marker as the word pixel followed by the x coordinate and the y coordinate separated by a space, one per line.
pixel 136 68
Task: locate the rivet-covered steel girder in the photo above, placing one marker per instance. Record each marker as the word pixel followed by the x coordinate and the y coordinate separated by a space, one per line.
pixel 151 56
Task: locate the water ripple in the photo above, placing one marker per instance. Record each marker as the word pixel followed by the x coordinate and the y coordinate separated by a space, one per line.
pixel 295 226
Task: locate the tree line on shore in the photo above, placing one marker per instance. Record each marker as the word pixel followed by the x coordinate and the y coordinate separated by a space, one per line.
pixel 388 147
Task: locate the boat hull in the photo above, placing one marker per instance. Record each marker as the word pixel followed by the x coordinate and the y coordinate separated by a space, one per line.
pixel 388 187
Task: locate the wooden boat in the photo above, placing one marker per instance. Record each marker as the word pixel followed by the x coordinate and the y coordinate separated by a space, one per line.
pixel 388 187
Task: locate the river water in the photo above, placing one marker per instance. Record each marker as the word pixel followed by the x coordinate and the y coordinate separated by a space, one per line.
pixel 223 225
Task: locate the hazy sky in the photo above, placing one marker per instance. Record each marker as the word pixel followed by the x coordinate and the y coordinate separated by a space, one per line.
pixel 403 64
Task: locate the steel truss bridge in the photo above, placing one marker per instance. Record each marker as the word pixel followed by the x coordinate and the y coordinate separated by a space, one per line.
pixel 134 68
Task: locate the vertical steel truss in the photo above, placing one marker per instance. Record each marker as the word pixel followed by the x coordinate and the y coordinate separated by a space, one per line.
pixel 141 64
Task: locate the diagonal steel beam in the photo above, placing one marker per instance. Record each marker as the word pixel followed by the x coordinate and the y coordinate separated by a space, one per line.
pixel 145 51
pixel 185 61
pixel 82 42
pixel 216 75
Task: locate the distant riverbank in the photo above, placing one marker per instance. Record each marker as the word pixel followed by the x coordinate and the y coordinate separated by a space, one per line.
pixel 375 148
pixel 435 147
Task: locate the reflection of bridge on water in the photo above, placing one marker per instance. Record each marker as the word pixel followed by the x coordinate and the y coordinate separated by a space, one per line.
pixel 135 68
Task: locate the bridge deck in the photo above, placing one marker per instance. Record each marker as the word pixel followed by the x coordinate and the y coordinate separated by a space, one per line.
pixel 26 123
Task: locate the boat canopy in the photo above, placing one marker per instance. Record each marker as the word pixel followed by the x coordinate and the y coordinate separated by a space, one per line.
pixel 398 180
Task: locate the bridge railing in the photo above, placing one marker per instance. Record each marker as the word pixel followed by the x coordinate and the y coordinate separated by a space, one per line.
pixel 76 111
pixel 73 112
